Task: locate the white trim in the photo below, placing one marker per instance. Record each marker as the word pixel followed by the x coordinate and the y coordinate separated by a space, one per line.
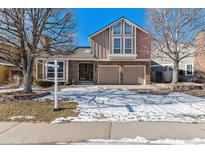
pixel 116 22
pixel 43 74
pixel 121 57
pixel 147 60
pixel 109 51
pixel 111 66
pixel 121 26
pixel 60 78
pixel 67 70
pixel 139 66
pixel 186 69
pixel 36 70
pixel 6 64
pixel 117 37
pixel 92 60
pixel 132 51
pixel 157 65
pixel 124 28
pixel 135 42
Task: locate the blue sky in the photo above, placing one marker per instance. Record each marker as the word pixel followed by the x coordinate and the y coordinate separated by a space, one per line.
pixel 91 20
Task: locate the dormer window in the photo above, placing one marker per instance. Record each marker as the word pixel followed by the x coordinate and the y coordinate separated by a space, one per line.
pixel 127 29
pixel 117 29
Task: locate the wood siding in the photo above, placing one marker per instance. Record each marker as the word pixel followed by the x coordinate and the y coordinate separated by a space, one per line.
pixel 102 42
pixel 100 45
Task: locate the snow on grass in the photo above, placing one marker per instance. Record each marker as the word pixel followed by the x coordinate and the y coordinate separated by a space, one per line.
pixel 100 104
pixel 28 117
pixel 141 140
pixel 6 90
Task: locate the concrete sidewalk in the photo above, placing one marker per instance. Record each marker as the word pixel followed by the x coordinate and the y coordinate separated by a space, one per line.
pixel 45 133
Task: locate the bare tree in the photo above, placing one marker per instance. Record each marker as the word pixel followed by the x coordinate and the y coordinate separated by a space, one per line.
pixel 174 31
pixel 29 33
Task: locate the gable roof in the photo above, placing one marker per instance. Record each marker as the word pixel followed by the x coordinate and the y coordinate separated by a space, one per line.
pixel 115 21
pixel 5 63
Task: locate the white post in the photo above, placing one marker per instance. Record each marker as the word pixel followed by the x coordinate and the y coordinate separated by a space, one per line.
pixel 56 85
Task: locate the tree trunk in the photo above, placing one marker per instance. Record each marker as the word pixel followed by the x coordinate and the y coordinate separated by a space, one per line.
pixel 175 73
pixel 27 77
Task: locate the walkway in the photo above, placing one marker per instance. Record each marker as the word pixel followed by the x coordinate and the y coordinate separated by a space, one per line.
pixel 45 133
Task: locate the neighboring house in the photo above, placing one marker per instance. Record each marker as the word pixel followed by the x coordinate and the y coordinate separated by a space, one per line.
pixel 191 67
pixel 8 73
pixel 120 54
pixel 162 67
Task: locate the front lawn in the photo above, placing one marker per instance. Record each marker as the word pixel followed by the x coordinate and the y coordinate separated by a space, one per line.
pixel 36 111
pixel 197 93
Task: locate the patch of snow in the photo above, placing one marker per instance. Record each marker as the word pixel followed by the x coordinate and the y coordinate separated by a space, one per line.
pixel 21 117
pixel 141 140
pixel 101 104
pixel 63 119
pixel 6 90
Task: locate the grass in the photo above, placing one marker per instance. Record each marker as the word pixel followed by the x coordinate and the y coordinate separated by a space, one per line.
pixel 42 111
pixel 197 93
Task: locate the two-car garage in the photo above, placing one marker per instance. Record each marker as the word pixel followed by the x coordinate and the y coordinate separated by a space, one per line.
pixel 117 74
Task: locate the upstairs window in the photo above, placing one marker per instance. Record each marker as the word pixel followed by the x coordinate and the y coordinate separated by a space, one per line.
pixel 51 71
pixel 189 70
pixel 128 45
pixel 116 45
pixel 128 29
pixel 117 29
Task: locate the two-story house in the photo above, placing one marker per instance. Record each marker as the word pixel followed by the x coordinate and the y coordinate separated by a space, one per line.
pixel 119 54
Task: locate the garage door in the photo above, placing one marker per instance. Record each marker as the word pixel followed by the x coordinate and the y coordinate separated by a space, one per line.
pixel 108 74
pixel 134 75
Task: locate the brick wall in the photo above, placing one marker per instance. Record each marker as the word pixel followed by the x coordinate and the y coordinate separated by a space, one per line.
pixel 199 58
pixel 143 45
pixel 73 68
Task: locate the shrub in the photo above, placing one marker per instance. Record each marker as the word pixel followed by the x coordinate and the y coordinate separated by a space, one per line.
pixel 43 83
pixel 67 84
pixel 199 79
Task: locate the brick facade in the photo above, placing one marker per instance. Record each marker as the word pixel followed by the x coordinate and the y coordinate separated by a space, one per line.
pixel 74 68
pixel 199 58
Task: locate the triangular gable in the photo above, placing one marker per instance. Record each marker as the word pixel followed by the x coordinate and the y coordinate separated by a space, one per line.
pixel 115 22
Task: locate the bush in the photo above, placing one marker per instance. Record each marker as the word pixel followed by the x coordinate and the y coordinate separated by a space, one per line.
pixel 43 83
pixel 67 84
pixel 199 79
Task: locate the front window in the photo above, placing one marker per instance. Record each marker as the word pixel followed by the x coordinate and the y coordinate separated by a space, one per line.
pixel 51 71
pixel 117 29
pixel 128 29
pixel 117 45
pixel 189 70
pixel 128 45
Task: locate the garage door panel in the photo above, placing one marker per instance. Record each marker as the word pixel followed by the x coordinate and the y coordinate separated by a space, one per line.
pixel 133 75
pixel 108 74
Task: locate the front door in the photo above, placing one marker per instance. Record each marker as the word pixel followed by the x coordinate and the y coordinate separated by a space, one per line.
pixel 86 72
pixel 158 76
